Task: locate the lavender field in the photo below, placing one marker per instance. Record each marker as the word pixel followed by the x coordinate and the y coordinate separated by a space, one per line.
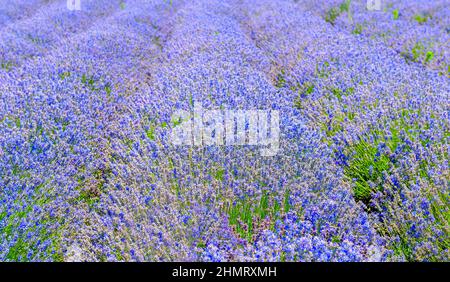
pixel 358 97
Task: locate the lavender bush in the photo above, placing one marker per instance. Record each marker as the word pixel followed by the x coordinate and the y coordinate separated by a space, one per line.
pixel 88 171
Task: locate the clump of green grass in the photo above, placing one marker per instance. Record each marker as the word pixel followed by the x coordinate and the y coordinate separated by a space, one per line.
pixel 366 169
pixel 92 83
pixel 323 70
pixel 429 56
pixel 419 54
pixel 304 90
pixel 219 175
pixel 92 188
pixel 338 93
pixel 150 132
pixel 108 88
pixel 417 51
pixel 421 19
pixel 357 29
pixel 345 6
pixel 367 165
pixel 333 13
pixel 7 66
pixel 88 81
pixel 64 75
pixel 280 80
pixel 245 215
pixel 370 170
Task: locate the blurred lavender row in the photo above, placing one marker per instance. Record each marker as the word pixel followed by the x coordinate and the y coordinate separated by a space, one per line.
pixel 418 30
pixel 88 171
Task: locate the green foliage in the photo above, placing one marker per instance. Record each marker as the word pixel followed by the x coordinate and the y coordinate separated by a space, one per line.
pixel 17 122
pixel 429 56
pixel 365 169
pixel 89 197
pixel 7 66
pixel 92 188
pixel 177 121
pixel 150 132
pixel 245 215
pixel 367 165
pixel 89 82
pixel 108 88
pixel 64 75
pixel 417 51
pixel 396 14
pixel 337 92
pixel 219 175
pixel 358 29
pixel 402 247
pixel 323 70
pixel 332 15
pixel 345 6
pixel 286 203
pixel 23 245
pixel 304 91
pixel 280 80
pixel 421 19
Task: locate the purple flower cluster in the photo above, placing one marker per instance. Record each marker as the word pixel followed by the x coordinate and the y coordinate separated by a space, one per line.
pixel 88 171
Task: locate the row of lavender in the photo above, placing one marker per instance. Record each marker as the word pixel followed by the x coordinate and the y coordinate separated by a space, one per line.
pixel 50 24
pixel 224 200
pixel 59 110
pixel 12 11
pixel 386 121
